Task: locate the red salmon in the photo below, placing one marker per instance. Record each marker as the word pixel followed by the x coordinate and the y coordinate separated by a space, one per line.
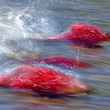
pixel 65 62
pixel 84 35
pixel 43 81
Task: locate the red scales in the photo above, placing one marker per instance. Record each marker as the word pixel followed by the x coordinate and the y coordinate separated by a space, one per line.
pixel 48 81
pixel 60 60
pixel 43 81
pixel 83 35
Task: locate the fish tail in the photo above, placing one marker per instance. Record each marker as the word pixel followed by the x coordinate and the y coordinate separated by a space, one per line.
pixel 60 37
pixel 56 38
pixel 83 65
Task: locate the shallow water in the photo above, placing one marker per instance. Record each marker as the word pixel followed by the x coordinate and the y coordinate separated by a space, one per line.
pixel 24 21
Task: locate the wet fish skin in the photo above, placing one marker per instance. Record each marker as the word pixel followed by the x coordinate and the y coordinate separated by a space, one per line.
pixel 83 34
pixel 43 81
pixel 65 62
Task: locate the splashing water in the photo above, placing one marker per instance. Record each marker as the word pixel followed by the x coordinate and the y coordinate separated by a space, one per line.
pixel 23 22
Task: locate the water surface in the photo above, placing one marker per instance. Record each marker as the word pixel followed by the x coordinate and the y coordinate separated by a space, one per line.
pixel 21 21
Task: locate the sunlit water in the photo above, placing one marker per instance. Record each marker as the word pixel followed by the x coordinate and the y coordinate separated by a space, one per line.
pixel 22 22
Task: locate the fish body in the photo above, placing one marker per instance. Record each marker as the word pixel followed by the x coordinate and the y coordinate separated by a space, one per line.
pixel 65 62
pixel 43 81
pixel 84 35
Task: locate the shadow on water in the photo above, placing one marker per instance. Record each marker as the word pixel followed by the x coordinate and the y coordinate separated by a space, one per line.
pixel 22 22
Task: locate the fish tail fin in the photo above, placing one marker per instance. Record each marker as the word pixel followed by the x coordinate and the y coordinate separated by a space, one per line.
pixel 56 38
pixel 60 37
